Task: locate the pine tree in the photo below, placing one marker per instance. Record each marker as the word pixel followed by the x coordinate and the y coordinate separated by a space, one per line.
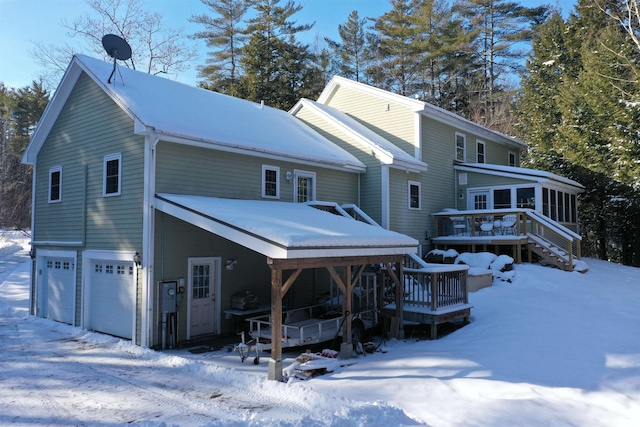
pixel 574 113
pixel 224 34
pixel 275 65
pixel 397 52
pixel 445 64
pixel 20 111
pixel 353 48
pixel 500 26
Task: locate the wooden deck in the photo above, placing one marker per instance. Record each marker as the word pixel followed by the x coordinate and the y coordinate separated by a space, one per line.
pixel 526 230
pixel 433 294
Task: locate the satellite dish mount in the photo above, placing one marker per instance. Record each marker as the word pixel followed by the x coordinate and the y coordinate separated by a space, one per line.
pixel 117 48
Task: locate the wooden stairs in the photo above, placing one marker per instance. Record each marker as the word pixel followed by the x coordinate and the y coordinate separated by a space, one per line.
pixel 551 253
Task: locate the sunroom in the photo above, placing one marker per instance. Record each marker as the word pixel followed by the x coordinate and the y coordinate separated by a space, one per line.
pixel 505 206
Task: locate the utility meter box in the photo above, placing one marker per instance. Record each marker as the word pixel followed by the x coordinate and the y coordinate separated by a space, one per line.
pixel 168 296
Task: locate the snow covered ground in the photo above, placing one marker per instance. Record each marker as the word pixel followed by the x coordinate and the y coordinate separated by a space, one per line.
pixel 550 348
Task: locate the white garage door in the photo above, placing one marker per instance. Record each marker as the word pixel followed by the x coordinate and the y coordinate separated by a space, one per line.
pixel 59 289
pixel 112 298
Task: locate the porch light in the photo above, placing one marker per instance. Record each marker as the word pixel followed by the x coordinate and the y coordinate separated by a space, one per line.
pixel 230 264
pixel 460 195
pixel 137 259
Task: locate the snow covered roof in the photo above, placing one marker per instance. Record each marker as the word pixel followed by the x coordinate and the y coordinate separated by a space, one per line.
pixel 384 150
pixel 282 230
pixel 183 113
pixel 421 107
pixel 516 172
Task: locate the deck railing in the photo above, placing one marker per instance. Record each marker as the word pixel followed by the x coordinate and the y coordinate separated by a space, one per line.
pixel 434 287
pixel 465 224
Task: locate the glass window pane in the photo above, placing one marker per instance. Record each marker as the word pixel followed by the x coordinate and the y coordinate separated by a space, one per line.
pixel 525 198
pixel 502 199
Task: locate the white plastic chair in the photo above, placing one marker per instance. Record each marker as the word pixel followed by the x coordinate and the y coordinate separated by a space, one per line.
pixel 509 224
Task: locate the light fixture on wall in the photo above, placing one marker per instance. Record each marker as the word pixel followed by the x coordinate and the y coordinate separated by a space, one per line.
pixel 32 253
pixel 230 264
pixel 460 195
pixel 289 176
pixel 137 259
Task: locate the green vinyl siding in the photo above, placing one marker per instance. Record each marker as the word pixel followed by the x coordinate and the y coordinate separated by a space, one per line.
pixel 392 121
pixel 438 151
pixel 184 169
pixel 176 241
pixel 484 180
pixel 411 222
pixel 89 127
pixel 371 181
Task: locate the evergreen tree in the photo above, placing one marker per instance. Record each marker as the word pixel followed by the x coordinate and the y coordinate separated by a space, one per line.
pixel 224 34
pixel 573 112
pixel 445 63
pixel 397 51
pixel 500 26
pixel 275 65
pixel 20 111
pixel 352 48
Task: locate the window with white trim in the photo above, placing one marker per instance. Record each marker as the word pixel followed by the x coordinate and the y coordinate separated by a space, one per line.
pixel 55 184
pixel 461 147
pixel 305 186
pixel 511 159
pixel 270 182
pixel 414 195
pixel 480 152
pixel 112 175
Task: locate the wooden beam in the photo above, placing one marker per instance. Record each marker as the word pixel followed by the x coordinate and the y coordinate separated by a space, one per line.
pixel 304 263
pixel 290 281
pixel 337 278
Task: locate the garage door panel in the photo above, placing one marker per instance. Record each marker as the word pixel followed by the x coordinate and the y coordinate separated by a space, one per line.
pixel 59 289
pixel 112 298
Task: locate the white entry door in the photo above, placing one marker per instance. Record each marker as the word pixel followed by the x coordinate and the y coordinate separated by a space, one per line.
pixel 203 294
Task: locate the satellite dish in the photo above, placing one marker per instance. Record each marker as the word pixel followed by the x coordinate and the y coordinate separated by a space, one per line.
pixel 117 48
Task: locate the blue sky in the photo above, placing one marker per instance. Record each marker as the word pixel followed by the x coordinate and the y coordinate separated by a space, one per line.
pixel 25 22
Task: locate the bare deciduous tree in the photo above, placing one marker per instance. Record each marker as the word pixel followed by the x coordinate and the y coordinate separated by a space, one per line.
pixel 155 47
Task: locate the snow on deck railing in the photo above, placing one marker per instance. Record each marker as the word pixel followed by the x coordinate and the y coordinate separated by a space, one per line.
pixel 434 286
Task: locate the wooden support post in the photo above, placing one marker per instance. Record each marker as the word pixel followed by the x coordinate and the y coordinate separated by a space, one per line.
pixel 275 362
pixel 397 278
pixel 346 348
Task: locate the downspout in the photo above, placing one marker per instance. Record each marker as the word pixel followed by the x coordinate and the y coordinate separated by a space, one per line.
pixel 385 196
pixel 33 290
pixel 84 206
pixel 148 220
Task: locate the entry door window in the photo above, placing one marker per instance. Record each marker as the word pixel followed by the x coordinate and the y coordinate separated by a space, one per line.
pixel 480 201
pixel 305 190
pixel 201 281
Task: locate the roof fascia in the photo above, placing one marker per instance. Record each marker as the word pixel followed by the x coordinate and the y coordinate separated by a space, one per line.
pixel 337 81
pixel 265 246
pixel 385 157
pixel 220 146
pixel 52 111
pixel 447 117
pixel 420 107
pixel 556 179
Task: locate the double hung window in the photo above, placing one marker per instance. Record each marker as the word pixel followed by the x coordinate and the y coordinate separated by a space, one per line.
pixel 55 184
